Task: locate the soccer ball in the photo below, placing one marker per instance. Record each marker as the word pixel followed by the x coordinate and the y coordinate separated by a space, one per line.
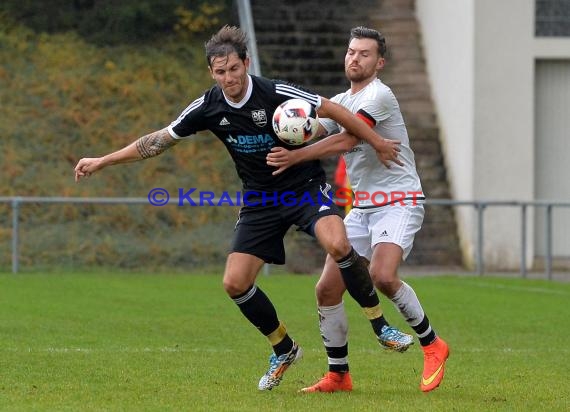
pixel 295 121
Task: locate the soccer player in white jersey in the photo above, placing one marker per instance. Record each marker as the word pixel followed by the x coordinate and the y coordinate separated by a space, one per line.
pixel 237 110
pixel 387 212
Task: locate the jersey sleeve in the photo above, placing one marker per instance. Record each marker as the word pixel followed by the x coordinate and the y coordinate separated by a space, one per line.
pixel 376 110
pixel 291 91
pixel 330 125
pixel 190 121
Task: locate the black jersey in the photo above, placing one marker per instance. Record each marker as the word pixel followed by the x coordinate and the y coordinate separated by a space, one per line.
pixel 245 128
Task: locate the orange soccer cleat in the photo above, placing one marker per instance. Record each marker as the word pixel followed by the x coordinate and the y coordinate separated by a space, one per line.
pixel 435 355
pixel 331 382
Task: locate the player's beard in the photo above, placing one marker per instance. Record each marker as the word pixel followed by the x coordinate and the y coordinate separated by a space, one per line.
pixel 360 75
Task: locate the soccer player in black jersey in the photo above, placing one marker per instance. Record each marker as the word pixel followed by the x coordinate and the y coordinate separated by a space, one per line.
pixel 238 111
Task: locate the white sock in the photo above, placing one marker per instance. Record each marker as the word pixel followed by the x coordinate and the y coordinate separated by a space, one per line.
pixel 408 305
pixel 333 325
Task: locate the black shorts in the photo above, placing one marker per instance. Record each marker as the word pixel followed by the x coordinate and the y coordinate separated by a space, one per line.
pixel 264 220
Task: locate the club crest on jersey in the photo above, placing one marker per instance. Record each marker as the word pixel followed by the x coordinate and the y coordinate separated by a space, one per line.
pixel 259 117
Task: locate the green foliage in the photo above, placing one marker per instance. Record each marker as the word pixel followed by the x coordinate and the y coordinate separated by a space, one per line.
pixel 132 342
pixel 67 99
pixel 191 22
pixel 115 22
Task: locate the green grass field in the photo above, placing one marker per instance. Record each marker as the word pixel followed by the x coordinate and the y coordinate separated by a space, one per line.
pixel 132 342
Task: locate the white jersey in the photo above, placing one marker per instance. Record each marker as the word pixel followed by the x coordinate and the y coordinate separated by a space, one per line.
pixel 378 106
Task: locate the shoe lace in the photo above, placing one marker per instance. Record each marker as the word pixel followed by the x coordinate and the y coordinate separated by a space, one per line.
pixel 273 362
pixel 331 376
pixel 431 355
pixel 328 378
pixel 390 333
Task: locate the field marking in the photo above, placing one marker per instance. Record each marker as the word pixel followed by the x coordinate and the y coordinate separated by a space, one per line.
pixel 119 350
pixel 521 288
pixel 464 349
pixel 468 349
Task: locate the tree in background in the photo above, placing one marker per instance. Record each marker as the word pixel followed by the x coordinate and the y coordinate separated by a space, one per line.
pixel 109 22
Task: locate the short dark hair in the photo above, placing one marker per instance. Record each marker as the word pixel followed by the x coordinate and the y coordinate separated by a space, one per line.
pixel 362 32
pixel 228 40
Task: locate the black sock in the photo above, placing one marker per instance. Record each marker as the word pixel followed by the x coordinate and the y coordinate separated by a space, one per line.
pixel 354 270
pixel 338 353
pixel 426 334
pixel 258 309
pixel 378 324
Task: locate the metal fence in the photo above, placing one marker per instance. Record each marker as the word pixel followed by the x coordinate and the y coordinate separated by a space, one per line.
pixel 480 206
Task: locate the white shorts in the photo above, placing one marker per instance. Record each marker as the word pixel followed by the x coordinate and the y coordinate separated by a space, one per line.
pixel 388 224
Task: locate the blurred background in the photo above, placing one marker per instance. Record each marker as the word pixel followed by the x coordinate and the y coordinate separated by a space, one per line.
pixel 484 87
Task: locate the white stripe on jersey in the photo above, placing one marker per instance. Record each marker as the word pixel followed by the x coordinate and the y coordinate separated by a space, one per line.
pixel 296 93
pixel 196 103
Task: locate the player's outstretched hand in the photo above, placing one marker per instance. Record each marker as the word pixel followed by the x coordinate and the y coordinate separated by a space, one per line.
pixel 86 167
pixel 281 158
pixel 389 152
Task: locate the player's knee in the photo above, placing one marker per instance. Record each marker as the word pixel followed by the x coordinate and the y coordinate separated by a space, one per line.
pixel 234 287
pixel 327 295
pixel 338 248
pixel 388 283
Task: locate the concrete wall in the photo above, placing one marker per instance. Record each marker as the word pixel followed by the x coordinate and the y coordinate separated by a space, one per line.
pixel 504 120
pixel 481 61
pixel 448 40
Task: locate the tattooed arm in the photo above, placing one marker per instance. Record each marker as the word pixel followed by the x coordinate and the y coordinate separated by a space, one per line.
pixel 154 144
pixel 147 146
